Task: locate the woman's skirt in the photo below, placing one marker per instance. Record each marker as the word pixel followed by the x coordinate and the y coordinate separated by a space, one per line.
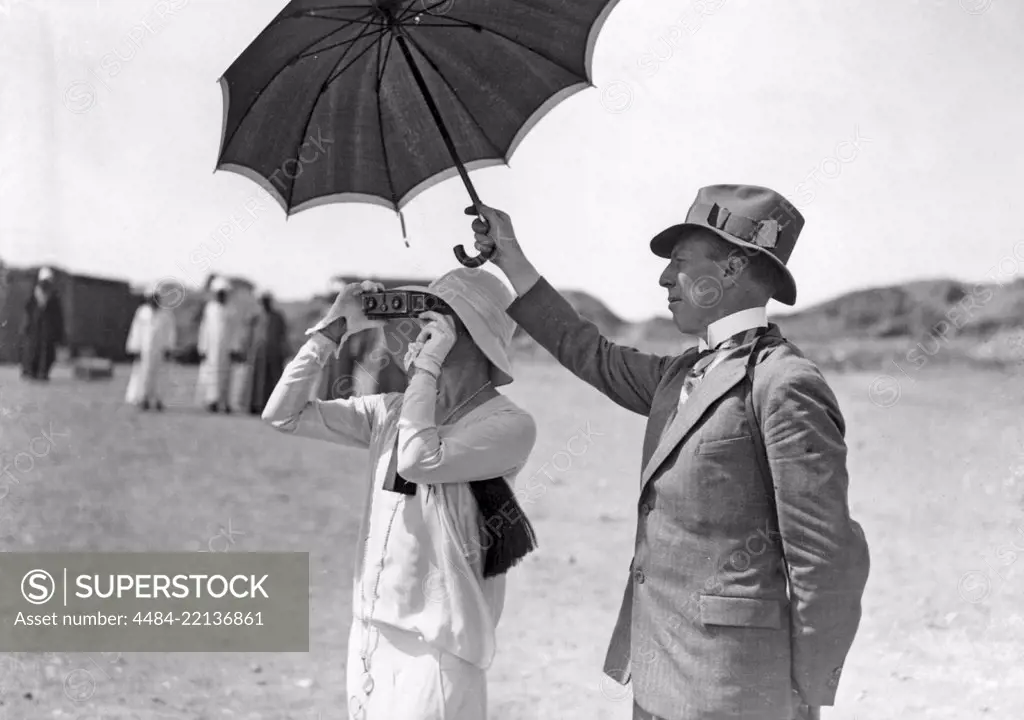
pixel 409 679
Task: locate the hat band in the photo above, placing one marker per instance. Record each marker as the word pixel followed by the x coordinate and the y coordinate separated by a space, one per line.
pixel 763 233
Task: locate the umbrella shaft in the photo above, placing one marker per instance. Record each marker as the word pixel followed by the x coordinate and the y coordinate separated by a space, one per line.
pixel 432 106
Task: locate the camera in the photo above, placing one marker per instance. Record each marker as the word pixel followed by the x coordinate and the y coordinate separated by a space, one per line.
pixel 393 304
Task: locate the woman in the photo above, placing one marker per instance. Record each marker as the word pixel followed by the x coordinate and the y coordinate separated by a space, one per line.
pixel 429 577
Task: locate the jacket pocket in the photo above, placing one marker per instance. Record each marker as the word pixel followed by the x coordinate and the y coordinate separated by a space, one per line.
pixel 727 445
pixel 741 612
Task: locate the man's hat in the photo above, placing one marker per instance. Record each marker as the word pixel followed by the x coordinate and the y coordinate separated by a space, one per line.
pixel 751 217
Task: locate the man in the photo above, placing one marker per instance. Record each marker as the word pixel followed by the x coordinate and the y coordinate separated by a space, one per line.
pixel 42 328
pixel 151 341
pixel 744 477
pixel 267 352
pixel 219 346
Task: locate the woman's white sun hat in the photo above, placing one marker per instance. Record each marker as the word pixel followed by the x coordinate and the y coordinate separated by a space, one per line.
pixel 479 299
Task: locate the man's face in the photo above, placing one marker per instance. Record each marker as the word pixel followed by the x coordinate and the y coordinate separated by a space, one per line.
pixel 694 278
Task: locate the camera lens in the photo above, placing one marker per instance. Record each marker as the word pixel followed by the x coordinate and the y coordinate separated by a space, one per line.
pixel 396 303
pixel 430 302
pixel 371 303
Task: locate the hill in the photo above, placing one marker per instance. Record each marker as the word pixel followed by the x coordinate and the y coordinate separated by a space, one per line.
pixel 942 321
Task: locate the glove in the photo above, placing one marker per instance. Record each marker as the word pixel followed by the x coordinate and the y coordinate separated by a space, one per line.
pixel 410 354
pixel 348 307
pixel 437 338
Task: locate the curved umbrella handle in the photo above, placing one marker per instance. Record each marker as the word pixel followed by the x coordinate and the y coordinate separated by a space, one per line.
pixel 473 262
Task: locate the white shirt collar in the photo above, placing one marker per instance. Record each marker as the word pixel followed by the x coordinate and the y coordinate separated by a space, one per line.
pixel 724 328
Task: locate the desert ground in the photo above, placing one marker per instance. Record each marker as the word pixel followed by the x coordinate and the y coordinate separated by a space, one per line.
pixel 936 465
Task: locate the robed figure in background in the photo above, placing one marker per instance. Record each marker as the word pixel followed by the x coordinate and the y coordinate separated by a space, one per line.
pixel 218 347
pixel 151 342
pixel 42 329
pixel 268 352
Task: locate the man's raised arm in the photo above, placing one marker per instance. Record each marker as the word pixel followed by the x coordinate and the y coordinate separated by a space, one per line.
pixel 624 374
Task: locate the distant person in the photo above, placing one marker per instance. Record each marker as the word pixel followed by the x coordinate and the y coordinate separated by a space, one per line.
pixel 151 342
pixel 268 351
pixel 744 482
pixel 219 347
pixel 430 566
pixel 42 328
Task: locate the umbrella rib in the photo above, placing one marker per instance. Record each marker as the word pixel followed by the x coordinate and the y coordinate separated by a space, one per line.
pixel 535 51
pixel 320 94
pixel 362 52
pixel 427 10
pixel 313 53
pixel 273 77
pixel 380 118
pixel 454 24
pixel 387 56
pixel 310 14
pixel 479 127
pixel 350 42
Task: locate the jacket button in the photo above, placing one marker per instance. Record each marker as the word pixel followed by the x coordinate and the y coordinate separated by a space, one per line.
pixel 645 509
pixel 638 575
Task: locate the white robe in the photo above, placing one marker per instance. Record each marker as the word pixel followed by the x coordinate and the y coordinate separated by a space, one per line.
pixel 152 333
pixel 219 336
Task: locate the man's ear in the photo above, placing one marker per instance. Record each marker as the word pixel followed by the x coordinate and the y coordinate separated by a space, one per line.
pixel 734 267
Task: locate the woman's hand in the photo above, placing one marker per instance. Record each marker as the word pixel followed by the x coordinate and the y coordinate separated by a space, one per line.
pixel 436 340
pixel 346 316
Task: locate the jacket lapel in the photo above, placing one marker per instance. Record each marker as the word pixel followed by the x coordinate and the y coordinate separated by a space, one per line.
pixel 717 383
pixel 663 407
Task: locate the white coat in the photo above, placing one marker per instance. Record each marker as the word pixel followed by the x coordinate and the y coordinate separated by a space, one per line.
pixel 219 336
pixel 151 335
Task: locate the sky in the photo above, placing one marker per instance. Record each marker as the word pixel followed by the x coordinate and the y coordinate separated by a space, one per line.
pixel 893 125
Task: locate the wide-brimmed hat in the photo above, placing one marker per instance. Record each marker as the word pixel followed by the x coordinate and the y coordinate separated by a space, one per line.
pixel 479 299
pixel 749 216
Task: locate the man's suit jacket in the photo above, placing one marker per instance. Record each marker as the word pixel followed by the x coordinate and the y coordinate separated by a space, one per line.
pixel 707 628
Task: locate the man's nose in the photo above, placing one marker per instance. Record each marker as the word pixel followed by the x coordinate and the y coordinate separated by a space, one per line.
pixel 666 280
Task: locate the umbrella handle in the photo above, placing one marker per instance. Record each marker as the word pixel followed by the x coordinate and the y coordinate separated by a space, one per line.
pixel 473 262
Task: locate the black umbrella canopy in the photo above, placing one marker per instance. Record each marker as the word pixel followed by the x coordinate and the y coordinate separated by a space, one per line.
pixel 325 105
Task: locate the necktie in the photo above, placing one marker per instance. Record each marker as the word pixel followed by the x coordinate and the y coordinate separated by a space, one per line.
pixel 705 358
pixel 696 373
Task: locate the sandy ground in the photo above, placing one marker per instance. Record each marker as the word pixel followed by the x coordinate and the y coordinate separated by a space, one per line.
pixel 936 482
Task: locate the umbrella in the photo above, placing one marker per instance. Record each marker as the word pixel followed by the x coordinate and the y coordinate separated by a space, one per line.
pixel 345 101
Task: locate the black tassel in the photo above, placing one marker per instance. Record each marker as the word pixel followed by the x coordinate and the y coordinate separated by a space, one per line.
pixel 505 531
